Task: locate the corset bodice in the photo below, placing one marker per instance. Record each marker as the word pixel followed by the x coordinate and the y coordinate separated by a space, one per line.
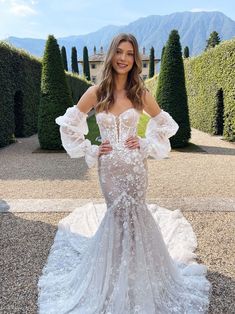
pixel 117 128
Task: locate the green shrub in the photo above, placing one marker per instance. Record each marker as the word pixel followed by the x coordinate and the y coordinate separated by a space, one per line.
pixel 171 91
pixel 212 71
pixel 55 96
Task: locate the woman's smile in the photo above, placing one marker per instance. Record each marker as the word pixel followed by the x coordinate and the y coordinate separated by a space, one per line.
pixel 122 65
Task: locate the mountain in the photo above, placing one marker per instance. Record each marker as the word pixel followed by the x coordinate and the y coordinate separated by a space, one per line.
pixel 194 29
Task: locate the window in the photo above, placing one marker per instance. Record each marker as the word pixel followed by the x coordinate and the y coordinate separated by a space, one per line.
pixel 93 78
pixel 93 65
pixel 145 77
pixel 145 65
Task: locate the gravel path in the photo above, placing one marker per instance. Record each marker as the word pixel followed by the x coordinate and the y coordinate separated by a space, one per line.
pixel 187 173
pixel 199 181
pixel 26 239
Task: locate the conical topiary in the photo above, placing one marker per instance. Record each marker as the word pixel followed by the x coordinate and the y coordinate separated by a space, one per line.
pixel 151 63
pixel 86 67
pixel 171 91
pixel 55 96
pixel 64 58
pixel 162 53
pixel 74 60
pixel 186 52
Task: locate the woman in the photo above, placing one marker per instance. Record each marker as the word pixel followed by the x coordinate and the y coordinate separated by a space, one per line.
pixel 124 256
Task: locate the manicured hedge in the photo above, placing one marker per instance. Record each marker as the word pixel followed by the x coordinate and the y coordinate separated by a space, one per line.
pixel 20 86
pixel 208 75
pixel 78 85
pixel 151 84
pixel 20 79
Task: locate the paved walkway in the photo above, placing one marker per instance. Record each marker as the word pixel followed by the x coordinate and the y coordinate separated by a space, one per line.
pixel 37 190
pixel 200 178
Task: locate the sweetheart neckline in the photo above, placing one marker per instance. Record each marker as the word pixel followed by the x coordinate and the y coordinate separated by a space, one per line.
pixel 116 116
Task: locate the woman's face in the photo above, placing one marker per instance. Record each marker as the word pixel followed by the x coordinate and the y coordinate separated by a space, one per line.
pixel 123 59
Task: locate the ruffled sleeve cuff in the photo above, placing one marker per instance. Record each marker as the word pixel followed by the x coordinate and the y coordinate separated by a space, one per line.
pixel 73 127
pixel 158 131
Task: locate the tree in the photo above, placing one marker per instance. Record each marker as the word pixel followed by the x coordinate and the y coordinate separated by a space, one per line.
pixel 55 96
pixel 186 52
pixel 213 40
pixel 163 48
pixel 86 67
pixel 151 63
pixel 74 60
pixel 64 58
pixel 171 91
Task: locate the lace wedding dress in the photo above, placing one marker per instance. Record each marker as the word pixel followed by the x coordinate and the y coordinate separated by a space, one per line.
pixel 123 256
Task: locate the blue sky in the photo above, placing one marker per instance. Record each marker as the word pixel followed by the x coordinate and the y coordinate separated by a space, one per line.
pixel 38 18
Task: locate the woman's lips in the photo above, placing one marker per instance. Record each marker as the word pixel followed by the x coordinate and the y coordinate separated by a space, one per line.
pixel 121 65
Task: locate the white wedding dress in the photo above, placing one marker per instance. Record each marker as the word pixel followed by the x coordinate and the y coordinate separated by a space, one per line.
pixel 123 256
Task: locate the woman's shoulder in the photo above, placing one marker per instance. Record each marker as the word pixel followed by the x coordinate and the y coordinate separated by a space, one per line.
pixel 88 99
pixel 93 89
pixel 91 93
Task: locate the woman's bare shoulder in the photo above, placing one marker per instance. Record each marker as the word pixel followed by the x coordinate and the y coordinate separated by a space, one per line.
pixel 88 99
pixel 93 89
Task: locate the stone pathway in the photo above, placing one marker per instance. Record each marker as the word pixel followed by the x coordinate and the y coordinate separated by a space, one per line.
pixel 37 190
pixel 190 179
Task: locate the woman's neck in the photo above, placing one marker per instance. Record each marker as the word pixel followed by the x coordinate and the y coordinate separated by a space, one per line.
pixel 120 82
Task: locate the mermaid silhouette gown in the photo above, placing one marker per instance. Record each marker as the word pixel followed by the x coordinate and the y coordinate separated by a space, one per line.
pixel 123 256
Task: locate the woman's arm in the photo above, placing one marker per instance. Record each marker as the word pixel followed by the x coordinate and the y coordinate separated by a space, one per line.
pixel 88 99
pixel 151 107
pixel 161 126
pixel 73 127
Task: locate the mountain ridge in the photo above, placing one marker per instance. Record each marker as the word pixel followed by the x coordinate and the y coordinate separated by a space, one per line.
pixel 194 29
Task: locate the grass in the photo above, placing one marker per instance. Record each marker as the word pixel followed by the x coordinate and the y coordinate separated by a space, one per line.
pixel 142 125
pixel 93 130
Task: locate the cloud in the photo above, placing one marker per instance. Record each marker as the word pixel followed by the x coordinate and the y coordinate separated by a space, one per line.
pixel 21 9
pixel 202 10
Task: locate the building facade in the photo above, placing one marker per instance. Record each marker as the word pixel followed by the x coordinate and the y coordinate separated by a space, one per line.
pixel 96 61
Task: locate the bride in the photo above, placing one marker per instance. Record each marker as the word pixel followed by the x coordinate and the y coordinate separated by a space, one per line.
pixel 123 256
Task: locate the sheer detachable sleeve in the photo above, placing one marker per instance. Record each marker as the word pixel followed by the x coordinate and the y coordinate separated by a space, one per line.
pixel 158 131
pixel 73 127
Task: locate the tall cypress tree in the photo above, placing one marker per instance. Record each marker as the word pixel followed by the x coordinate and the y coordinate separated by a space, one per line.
pixel 64 58
pixel 54 97
pixel 74 60
pixel 86 67
pixel 163 48
pixel 186 52
pixel 151 63
pixel 171 91
pixel 213 40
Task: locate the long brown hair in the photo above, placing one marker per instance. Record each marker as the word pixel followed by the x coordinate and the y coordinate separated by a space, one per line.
pixel 134 85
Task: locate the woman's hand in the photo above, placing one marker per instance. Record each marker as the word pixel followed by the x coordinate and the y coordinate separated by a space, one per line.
pixel 104 148
pixel 132 142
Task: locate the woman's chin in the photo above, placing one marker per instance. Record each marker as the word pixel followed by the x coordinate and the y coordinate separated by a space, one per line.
pixel 121 71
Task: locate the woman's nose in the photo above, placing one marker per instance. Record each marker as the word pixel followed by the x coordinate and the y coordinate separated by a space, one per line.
pixel 123 56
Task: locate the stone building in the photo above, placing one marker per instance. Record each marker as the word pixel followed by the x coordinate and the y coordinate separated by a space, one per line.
pixel 96 61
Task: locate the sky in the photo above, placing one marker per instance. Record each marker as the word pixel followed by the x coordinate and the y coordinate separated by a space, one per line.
pixel 38 18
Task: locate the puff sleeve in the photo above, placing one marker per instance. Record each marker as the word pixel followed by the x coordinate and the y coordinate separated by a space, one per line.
pixel 73 127
pixel 158 131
